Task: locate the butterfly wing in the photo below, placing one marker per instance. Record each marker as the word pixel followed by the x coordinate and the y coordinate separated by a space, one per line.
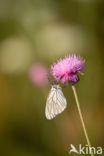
pixel 56 103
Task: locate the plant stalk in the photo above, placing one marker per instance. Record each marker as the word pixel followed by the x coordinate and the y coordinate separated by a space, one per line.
pixel 81 117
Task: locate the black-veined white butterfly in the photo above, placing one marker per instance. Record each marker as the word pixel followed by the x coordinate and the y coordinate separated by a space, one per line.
pixel 56 102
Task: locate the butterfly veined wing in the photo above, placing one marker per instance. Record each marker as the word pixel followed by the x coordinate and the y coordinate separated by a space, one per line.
pixel 56 102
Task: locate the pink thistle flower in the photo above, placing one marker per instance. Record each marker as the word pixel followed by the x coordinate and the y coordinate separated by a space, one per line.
pixel 38 74
pixel 67 69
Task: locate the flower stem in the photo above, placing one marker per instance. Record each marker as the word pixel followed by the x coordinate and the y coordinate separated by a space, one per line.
pixel 81 117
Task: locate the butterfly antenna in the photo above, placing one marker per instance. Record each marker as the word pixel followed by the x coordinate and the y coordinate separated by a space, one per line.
pixel 50 81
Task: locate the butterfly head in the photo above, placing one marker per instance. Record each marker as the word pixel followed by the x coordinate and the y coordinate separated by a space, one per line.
pixel 56 86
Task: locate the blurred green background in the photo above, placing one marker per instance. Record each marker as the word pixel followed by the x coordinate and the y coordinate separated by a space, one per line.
pixel 43 31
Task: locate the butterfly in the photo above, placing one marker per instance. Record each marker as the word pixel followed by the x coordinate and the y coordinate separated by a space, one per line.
pixel 56 102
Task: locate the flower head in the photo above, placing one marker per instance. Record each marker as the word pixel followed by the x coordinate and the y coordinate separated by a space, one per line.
pixel 38 75
pixel 67 69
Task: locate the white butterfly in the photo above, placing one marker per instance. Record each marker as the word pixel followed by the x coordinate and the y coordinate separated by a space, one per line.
pixel 56 102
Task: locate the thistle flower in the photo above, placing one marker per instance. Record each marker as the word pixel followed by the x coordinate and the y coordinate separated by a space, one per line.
pixel 67 69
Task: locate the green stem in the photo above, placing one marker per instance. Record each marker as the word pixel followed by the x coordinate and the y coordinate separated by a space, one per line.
pixel 81 117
